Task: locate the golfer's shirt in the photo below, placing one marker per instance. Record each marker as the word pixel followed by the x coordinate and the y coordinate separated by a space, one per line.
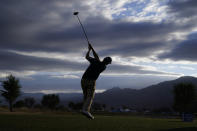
pixel 94 69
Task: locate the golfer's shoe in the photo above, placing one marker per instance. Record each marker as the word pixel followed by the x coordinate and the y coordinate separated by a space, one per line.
pixel 88 114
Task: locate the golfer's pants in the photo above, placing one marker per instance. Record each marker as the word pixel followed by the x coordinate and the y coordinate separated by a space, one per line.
pixel 88 87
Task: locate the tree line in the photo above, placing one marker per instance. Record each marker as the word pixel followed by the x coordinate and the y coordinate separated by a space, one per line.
pixel 11 91
pixel 185 97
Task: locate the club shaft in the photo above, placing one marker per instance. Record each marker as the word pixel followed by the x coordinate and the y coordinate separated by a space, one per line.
pixel 83 29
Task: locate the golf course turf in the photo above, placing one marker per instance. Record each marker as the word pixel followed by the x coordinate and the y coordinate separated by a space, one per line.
pixel 77 122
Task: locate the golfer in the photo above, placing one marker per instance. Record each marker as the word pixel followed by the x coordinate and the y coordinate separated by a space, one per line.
pixel 88 81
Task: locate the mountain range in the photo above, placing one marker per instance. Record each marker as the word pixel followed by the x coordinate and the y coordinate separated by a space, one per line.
pixel 154 96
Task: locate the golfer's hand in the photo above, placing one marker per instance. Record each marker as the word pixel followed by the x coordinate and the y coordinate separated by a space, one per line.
pixel 89 46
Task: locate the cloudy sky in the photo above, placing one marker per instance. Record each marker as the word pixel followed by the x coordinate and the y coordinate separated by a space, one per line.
pixel 150 41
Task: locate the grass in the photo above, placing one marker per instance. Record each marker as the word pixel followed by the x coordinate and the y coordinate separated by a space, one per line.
pixel 26 121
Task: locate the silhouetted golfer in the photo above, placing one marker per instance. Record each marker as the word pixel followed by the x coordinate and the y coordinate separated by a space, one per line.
pixel 88 81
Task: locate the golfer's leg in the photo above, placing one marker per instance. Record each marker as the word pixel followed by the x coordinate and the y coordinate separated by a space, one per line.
pixel 84 88
pixel 89 89
pixel 90 97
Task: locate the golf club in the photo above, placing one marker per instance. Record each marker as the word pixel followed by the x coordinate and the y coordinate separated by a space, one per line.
pixel 76 14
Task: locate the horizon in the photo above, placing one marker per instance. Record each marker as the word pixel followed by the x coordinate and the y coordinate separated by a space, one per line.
pixel 97 90
pixel 150 41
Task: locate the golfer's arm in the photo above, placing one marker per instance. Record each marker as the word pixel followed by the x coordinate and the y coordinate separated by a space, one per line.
pixel 88 55
pixel 95 54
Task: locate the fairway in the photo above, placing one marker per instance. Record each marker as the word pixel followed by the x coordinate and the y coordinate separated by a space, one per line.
pixel 77 122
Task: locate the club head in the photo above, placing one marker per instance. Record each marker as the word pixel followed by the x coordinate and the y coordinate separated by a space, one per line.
pixel 75 13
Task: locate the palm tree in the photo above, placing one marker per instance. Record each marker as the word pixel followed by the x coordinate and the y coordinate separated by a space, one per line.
pixel 11 90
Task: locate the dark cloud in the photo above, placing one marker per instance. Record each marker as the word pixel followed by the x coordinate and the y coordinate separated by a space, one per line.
pixel 183 8
pixel 186 50
pixel 16 62
pixel 135 49
pixel 22 21
pixel 45 26
pixel 186 16
pixel 116 38
pixel 45 82
pixel 134 69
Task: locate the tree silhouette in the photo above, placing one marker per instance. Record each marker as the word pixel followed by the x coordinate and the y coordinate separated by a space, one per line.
pixel 71 105
pixel 29 102
pixel 184 97
pixel 104 106
pixel 96 106
pixel 50 101
pixel 11 90
pixel 19 104
pixel 75 106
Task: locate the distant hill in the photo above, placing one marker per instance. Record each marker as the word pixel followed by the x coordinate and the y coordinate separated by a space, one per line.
pixel 155 96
